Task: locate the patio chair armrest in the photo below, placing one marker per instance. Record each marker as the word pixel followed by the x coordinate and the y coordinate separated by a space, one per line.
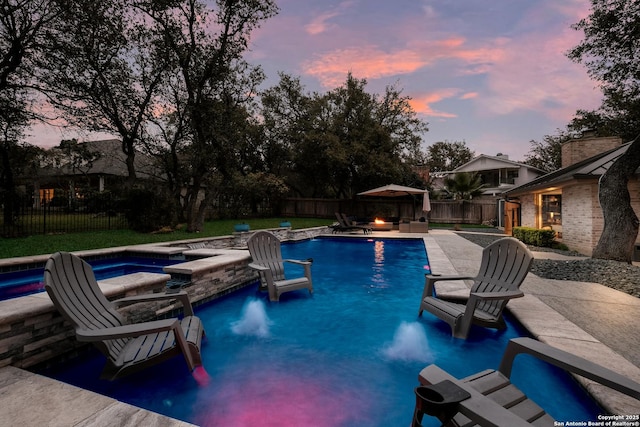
pixel 438 277
pixel 181 296
pixel 125 331
pixel 488 296
pixel 264 272
pixel 568 362
pixel 299 261
pixel 258 267
pixel 305 263
pixel 478 408
pixel 431 279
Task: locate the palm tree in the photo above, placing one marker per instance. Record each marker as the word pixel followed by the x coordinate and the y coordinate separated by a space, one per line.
pixel 464 185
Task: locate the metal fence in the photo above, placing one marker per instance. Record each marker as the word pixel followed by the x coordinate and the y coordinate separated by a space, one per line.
pixel 26 216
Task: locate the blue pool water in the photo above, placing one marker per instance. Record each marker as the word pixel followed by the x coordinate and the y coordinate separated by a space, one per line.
pixel 347 356
pixel 25 282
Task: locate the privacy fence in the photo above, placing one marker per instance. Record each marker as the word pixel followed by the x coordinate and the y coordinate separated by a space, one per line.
pixel 442 211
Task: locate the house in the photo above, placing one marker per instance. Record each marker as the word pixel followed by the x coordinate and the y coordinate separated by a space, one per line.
pixel 498 173
pixel 567 200
pixel 97 165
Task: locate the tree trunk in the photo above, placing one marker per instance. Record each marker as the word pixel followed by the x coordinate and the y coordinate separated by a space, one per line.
pixel 620 221
pixel 128 149
pixel 194 199
pixel 8 189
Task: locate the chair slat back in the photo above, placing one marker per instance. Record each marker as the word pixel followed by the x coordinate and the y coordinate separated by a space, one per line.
pixel 265 249
pixel 504 266
pixel 72 286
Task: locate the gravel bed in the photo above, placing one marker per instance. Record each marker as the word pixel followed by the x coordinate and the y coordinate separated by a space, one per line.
pixel 617 275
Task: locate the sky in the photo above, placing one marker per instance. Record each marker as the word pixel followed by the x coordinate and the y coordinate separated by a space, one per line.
pixel 491 73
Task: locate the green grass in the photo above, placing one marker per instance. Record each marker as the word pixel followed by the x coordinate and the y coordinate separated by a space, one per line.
pixel 46 244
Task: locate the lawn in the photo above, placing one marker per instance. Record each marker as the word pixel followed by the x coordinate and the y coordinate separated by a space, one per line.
pixel 50 243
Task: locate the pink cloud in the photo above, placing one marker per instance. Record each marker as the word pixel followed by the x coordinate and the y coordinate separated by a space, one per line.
pixel 372 63
pixel 364 62
pixel 319 24
pixel 422 104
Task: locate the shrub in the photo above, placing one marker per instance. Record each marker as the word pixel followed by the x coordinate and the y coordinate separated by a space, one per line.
pixel 535 236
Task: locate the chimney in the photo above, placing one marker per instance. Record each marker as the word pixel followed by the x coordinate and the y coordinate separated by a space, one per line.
pixel 588 145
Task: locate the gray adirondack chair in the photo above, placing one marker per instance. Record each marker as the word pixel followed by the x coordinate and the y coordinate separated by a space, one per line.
pixel 504 266
pixel 72 286
pixel 266 255
pixel 493 400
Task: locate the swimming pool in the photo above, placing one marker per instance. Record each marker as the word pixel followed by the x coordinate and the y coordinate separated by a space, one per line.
pixel 347 356
pixel 25 282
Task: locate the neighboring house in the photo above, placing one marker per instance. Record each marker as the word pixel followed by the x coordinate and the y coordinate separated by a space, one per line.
pixel 105 169
pixel 567 200
pixel 498 173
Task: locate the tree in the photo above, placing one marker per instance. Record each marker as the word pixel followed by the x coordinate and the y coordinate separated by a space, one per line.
pixel 446 156
pixel 104 70
pixel 610 51
pixel 298 138
pixel 212 89
pixel 620 221
pixel 464 185
pixel 547 155
pixel 341 142
pixel 24 27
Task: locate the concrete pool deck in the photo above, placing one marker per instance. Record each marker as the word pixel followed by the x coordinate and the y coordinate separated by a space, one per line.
pixel 587 319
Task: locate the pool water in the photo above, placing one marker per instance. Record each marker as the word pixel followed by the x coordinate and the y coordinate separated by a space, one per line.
pixel 347 356
pixel 25 282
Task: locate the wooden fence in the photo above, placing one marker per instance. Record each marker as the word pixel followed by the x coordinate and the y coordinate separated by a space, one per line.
pixel 442 211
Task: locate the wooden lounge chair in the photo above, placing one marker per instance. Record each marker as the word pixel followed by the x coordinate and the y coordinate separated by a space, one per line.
pixel 504 266
pixel 344 224
pixel 265 250
pixel 495 401
pixel 72 286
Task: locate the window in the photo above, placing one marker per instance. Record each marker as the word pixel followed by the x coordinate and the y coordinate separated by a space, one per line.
pixel 551 210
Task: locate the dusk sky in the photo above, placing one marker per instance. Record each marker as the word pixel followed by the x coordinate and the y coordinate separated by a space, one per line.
pixel 492 73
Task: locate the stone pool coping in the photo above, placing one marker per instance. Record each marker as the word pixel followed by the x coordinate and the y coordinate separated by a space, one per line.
pixel 545 323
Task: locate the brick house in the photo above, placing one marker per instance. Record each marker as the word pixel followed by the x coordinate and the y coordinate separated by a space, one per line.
pixel 567 200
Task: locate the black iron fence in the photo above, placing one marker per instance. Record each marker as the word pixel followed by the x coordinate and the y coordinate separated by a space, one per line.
pixel 50 215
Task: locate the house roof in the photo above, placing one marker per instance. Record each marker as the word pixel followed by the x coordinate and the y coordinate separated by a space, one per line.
pixel 591 168
pixel 110 161
pixel 495 162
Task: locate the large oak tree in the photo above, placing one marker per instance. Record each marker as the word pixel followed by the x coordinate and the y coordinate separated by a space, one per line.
pixel 211 91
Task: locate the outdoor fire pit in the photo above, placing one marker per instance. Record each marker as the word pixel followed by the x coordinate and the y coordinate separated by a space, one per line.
pixel 381 225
